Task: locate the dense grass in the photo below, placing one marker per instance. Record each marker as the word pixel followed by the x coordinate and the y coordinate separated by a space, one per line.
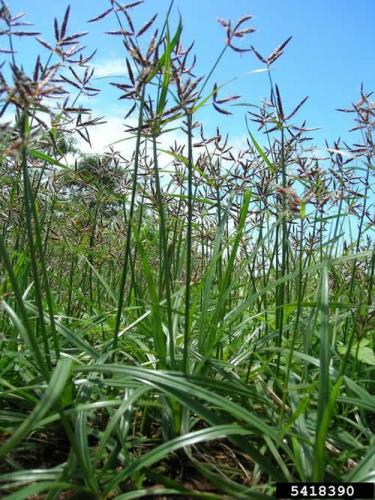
pixel 192 320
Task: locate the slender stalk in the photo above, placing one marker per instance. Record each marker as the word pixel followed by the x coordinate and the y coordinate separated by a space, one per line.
pixel 129 225
pixel 185 366
pixel 165 267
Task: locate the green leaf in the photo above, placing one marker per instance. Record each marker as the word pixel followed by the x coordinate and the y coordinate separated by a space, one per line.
pixel 269 164
pixel 36 488
pixel 321 433
pixel 160 452
pixel 157 326
pixel 363 353
pixel 365 470
pixel 324 384
pixel 170 46
pixel 59 379
pixel 44 157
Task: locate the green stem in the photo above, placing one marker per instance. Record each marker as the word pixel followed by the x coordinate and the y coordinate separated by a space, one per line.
pixel 129 225
pixel 188 243
pixel 164 252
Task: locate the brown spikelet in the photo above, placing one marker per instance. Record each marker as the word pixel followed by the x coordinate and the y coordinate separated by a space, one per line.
pixel 74 84
pixel 74 49
pixel 56 28
pixel 25 33
pixel 237 49
pixel 75 74
pixel 279 104
pixel 147 26
pixel 242 20
pixel 258 55
pixel 221 110
pixel 214 92
pixel 153 47
pixel 121 32
pixel 121 86
pixel 73 37
pixel 100 16
pixel 17 17
pixel 342 110
pixel 84 134
pixel 273 129
pixel 5 13
pixel 45 44
pixel 227 99
pixel 297 108
pixel 244 32
pixel 130 22
pixel 130 111
pixel 130 72
pixel 77 110
pixel 91 89
pixel 223 22
pixel 278 51
pixel 131 5
pixel 85 60
pixel 37 68
pixel 65 22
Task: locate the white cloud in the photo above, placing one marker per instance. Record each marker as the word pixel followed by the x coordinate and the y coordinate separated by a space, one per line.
pixel 7 117
pixel 102 136
pixel 110 67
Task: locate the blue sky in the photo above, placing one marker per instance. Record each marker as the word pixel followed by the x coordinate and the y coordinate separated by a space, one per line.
pixel 331 53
